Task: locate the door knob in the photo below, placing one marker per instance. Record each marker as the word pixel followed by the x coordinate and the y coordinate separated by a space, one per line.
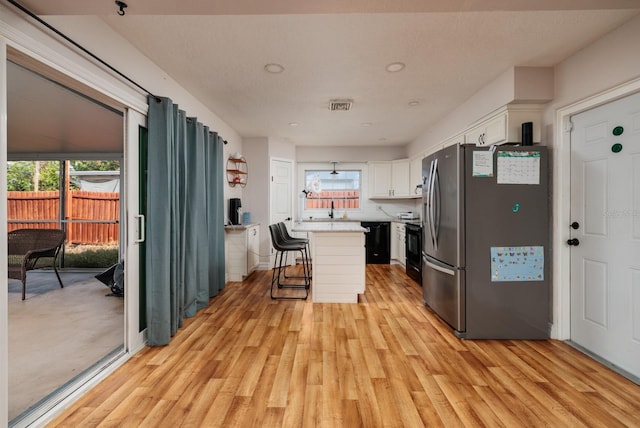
pixel 573 241
pixel 575 225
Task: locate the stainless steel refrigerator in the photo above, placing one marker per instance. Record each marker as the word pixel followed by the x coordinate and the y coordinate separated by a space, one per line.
pixel 486 240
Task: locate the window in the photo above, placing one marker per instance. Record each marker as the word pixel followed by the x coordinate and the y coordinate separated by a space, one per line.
pixel 323 187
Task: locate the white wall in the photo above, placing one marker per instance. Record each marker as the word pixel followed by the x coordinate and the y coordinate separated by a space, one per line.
pixel 283 149
pixel 256 195
pixel 350 154
pixel 602 66
pixel 369 207
pixel 96 36
pixel 493 96
pixel 599 73
pixel 608 62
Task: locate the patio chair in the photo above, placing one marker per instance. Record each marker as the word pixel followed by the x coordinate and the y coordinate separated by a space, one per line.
pixel 29 246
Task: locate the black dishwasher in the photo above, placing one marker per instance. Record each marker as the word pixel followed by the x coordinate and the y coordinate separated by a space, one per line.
pixel 377 241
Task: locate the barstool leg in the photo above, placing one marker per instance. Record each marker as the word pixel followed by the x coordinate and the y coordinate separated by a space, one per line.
pixel 306 259
pixel 276 279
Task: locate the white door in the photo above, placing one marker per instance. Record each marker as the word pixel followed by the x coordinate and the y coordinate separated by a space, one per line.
pixel 605 220
pixel 281 193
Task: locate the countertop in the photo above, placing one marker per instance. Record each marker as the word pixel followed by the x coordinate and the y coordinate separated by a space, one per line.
pixel 240 226
pixel 359 220
pixel 328 226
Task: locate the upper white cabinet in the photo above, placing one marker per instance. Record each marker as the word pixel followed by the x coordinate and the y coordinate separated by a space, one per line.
pixel 505 126
pixel 389 179
pixel 400 180
pixel 492 132
pixel 379 179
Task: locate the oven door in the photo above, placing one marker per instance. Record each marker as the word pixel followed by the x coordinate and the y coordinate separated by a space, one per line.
pixel 413 246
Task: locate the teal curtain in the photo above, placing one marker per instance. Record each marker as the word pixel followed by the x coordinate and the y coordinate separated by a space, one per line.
pixel 185 219
pixel 215 212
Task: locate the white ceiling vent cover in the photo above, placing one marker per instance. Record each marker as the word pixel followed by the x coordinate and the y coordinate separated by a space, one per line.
pixel 340 105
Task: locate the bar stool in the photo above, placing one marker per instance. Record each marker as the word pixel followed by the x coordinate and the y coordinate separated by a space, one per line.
pixel 282 247
pixel 306 256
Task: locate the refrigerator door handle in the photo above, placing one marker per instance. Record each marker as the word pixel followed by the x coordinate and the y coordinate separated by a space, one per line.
pixel 432 204
pixel 427 201
pixel 436 204
pixel 439 267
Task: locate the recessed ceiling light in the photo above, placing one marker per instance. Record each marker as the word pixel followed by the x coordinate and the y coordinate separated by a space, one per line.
pixel 294 124
pixel 394 67
pixel 367 124
pixel 274 68
pixel 414 103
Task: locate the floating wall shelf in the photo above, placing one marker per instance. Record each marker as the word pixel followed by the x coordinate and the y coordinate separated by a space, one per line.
pixel 237 172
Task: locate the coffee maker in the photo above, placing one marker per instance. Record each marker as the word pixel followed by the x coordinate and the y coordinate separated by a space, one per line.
pixel 234 210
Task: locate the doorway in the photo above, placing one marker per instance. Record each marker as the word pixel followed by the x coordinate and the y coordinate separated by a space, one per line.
pixel 59 335
pixel 604 230
pixel 280 193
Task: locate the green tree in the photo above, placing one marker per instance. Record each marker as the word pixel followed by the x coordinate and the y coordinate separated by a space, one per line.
pixel 20 176
pixel 110 165
pixel 49 175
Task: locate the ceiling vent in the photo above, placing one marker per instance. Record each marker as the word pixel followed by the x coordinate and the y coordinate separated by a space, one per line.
pixel 340 105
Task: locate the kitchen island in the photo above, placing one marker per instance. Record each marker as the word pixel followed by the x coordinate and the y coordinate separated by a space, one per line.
pixel 338 260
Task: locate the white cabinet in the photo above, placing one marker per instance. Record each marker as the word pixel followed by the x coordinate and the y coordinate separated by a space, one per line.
pixel 488 133
pixel 379 179
pixel 505 126
pixel 400 179
pixel 338 266
pixel 389 179
pixel 242 250
pixel 253 248
pixel 398 250
pixel 394 241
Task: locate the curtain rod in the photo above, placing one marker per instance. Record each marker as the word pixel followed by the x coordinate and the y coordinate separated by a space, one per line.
pixel 77 45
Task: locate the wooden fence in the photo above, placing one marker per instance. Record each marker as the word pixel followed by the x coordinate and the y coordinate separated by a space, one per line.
pixel 91 207
pixel 341 199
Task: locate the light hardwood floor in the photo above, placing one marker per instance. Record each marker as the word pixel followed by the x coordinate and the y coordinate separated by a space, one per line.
pixel 387 361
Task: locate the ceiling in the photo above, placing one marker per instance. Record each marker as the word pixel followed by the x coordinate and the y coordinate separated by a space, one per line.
pixel 48 120
pixel 334 49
